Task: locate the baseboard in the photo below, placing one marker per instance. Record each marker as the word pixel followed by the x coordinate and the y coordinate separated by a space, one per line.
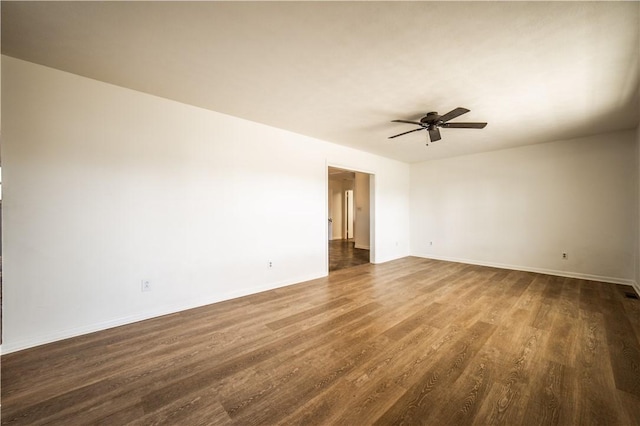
pixel 358 246
pixel 9 347
pixel 568 274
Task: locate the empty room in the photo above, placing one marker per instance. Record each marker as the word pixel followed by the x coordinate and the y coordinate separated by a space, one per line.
pixel 330 213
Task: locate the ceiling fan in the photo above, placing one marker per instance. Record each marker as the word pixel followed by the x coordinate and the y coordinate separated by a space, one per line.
pixel 432 121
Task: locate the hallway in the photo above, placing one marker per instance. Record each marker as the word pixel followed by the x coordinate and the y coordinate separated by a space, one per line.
pixel 343 254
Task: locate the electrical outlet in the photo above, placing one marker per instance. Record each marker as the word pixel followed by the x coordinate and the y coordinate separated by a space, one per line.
pixel 270 264
pixel 564 255
pixel 145 285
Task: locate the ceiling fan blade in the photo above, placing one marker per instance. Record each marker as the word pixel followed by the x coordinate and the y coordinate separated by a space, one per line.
pixel 464 125
pixel 434 134
pixel 410 131
pixel 405 121
pixel 453 114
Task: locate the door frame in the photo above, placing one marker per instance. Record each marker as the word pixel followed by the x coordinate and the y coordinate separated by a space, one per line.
pixel 372 209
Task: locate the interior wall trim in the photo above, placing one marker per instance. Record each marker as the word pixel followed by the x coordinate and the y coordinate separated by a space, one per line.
pixel 568 274
pixel 19 345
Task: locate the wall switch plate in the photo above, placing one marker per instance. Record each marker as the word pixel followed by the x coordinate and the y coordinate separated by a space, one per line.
pixel 145 285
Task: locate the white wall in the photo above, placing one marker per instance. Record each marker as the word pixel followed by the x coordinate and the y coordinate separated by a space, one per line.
pixel 521 208
pixel 362 225
pixel 637 259
pixel 105 186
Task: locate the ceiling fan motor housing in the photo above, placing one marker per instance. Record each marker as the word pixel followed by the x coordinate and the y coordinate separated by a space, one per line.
pixel 432 118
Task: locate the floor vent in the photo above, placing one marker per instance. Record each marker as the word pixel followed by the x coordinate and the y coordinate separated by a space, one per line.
pixel 630 295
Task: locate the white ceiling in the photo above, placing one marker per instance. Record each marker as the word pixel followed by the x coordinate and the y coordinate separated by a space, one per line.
pixel 341 71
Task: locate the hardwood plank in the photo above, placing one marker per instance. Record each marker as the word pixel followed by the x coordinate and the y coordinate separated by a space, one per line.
pixel 549 400
pixel 631 403
pixel 195 409
pixel 553 289
pixel 363 394
pixel 560 343
pixel 569 302
pixel 414 321
pixel 531 297
pixel 543 319
pixel 507 398
pixel 292 319
pixel 594 399
pixel 184 385
pixel 417 402
pixel 343 254
pixel 631 308
pixel 624 349
pixel 418 340
pixel 354 341
pixel 589 296
pixel 465 395
pixel 520 286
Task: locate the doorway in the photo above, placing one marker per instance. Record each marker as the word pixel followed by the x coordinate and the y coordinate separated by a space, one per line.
pixel 349 217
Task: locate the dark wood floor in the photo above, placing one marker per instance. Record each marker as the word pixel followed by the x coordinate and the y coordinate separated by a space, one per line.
pixel 412 341
pixel 343 254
